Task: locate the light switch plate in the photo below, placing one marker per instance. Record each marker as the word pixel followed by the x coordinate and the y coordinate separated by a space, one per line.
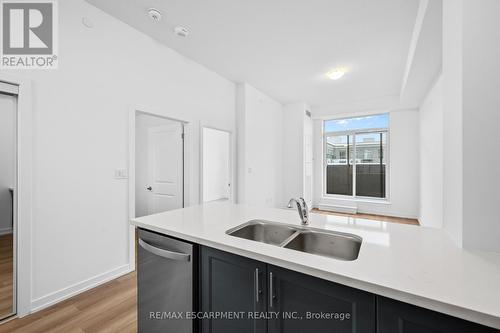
pixel 121 173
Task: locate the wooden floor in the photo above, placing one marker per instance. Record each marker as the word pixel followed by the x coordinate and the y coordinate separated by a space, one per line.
pixel 107 308
pixel 371 217
pixel 6 275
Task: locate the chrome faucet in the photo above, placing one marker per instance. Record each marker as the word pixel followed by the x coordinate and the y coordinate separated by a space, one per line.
pixel 302 208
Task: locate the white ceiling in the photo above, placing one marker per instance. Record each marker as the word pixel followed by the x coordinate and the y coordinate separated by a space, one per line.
pixel 284 47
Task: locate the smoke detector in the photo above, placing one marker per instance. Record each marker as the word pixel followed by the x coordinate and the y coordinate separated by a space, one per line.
pixel 181 31
pixel 154 14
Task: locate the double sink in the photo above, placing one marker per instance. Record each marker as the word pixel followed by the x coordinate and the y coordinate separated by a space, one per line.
pixel 321 242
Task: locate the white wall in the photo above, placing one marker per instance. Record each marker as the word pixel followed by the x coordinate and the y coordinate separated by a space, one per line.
pixel 481 119
pixel 216 164
pixel 470 120
pixel 8 106
pixel 308 191
pixel 80 215
pixel 403 170
pixel 452 119
pixel 404 163
pixel 241 141
pixel 431 157
pixel 298 145
pixel 293 153
pixel 260 166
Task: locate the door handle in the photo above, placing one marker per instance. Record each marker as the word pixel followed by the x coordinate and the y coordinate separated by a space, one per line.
pixel 271 290
pixel 164 253
pixel 149 188
pixel 257 286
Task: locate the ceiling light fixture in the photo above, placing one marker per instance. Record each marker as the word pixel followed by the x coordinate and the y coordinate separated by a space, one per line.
pixel 336 74
pixel 181 31
pixel 154 14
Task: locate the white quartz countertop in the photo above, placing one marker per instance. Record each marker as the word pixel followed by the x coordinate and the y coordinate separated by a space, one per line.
pixel 414 264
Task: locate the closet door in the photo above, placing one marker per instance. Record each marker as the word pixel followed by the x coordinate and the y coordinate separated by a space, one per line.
pixel 8 163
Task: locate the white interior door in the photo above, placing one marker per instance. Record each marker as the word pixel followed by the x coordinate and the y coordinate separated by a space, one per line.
pixel 165 145
pixel 216 172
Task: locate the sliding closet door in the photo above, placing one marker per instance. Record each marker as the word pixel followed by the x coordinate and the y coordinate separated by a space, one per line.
pixel 8 158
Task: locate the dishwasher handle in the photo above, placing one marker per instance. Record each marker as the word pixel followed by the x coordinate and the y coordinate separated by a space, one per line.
pixel 164 253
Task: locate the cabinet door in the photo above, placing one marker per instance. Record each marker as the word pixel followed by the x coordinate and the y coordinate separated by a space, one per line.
pixel 232 285
pixel 304 303
pixel 399 317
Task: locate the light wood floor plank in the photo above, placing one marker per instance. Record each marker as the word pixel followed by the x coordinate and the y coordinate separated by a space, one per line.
pixel 110 308
pixel 6 275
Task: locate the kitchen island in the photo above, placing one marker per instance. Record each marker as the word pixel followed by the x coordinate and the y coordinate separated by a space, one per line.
pixel 413 265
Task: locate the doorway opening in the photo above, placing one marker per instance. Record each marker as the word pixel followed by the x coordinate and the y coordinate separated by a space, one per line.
pixel 8 199
pixel 216 165
pixel 158 167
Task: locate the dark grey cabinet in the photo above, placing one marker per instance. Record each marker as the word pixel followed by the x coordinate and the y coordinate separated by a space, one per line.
pixel 234 287
pixel 286 301
pixel 399 317
pixel 295 303
pixel 308 304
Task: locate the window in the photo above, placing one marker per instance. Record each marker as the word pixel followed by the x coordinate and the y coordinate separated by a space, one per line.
pixel 356 156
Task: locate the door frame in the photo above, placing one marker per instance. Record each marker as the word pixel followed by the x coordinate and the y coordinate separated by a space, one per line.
pixel 23 196
pixel 231 179
pixel 131 168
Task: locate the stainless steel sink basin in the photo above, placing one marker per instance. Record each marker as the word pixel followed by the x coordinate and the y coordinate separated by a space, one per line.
pixel 321 242
pixel 263 231
pixel 333 245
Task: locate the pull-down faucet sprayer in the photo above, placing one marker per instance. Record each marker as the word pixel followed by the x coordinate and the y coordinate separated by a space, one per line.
pixel 302 209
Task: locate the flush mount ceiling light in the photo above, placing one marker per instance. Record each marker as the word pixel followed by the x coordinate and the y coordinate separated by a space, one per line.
pixel 336 73
pixel 181 31
pixel 154 14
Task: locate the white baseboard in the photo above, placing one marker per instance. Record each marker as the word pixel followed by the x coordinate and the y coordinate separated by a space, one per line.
pixel 338 209
pixel 5 231
pixel 77 288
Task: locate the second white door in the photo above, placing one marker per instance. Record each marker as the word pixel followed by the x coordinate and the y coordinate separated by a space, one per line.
pixel 166 150
pixel 216 173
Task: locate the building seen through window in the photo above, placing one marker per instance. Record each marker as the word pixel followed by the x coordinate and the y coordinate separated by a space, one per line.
pixel 355 156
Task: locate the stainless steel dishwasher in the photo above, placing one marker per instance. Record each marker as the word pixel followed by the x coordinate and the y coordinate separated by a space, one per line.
pixel 164 284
